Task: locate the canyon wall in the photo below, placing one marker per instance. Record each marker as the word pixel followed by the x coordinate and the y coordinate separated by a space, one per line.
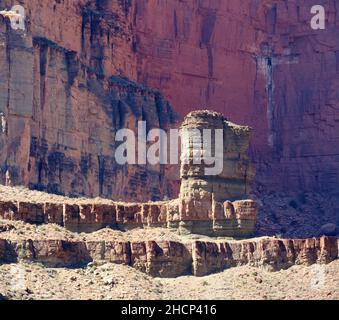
pixel 170 258
pixel 259 63
pixel 60 112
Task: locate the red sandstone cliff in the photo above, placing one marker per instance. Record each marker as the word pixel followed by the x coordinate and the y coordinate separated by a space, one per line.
pixel 259 62
pixel 63 100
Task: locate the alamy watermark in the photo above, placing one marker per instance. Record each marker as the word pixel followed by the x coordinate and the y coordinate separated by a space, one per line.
pixel 17 17
pixel 198 147
pixel 318 21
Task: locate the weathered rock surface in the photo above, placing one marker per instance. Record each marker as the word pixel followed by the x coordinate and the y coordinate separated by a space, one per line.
pixel 205 195
pixel 203 206
pixel 60 110
pixel 269 70
pixel 172 259
pixel 176 214
pixel 274 254
pixel 236 176
pixel 6 227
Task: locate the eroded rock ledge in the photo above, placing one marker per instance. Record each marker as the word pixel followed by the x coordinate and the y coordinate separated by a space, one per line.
pixel 172 259
pixel 236 218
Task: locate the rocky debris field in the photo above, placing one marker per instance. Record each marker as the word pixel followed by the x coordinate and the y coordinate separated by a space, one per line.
pixel 47 261
pixel 23 194
pixel 297 216
pixel 110 281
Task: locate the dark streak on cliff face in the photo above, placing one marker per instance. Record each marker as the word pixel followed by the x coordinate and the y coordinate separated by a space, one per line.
pixel 126 5
pixel 175 24
pixel 208 25
pixel 271 19
pixel 93 36
pixel 270 98
pixel 43 63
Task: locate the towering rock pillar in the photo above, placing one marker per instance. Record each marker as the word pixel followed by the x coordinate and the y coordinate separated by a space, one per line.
pixel 206 194
pixel 234 180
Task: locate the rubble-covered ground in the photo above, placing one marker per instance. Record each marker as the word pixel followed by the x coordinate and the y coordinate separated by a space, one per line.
pixel 280 215
pixel 299 216
pixel 110 281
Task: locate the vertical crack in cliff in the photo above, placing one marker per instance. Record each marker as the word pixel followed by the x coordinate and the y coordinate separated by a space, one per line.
pixel 5 168
pixel 271 19
pixel 125 5
pixel 270 98
pixel 207 30
pixel 8 57
pixel 43 68
pixel 96 52
pixel 175 24
pixel 101 165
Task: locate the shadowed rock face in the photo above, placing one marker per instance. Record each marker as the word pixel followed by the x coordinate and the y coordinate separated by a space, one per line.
pixel 59 114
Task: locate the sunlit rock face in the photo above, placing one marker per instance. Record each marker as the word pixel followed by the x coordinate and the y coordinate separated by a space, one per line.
pixel 208 189
pixel 231 174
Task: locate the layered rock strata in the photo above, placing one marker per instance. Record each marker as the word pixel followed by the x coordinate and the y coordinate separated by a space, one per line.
pixel 238 218
pixel 204 205
pixel 230 179
pixel 59 115
pixel 260 63
pixel 172 259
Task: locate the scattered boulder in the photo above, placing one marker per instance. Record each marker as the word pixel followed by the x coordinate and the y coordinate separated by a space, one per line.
pixel 6 227
pixel 329 230
pixel 2 297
